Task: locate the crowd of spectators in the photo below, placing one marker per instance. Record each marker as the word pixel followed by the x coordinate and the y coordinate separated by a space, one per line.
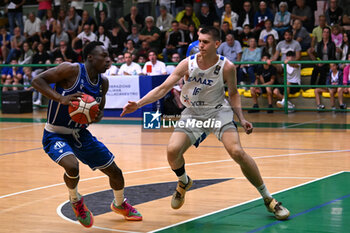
pixel 251 31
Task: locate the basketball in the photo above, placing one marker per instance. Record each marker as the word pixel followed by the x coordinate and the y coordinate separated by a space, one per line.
pixel 84 111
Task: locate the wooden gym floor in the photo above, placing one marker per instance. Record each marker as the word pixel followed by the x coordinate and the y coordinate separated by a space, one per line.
pixel 301 156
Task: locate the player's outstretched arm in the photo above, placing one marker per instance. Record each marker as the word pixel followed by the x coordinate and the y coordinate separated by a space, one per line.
pixel 160 91
pixel 65 74
pixel 230 78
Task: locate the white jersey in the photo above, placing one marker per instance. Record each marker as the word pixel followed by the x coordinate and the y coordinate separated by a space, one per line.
pixel 204 89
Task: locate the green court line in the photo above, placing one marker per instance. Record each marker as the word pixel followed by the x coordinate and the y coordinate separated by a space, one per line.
pixel 317 206
pixel 289 125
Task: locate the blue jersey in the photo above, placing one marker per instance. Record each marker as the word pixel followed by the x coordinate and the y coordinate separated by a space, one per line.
pixel 57 113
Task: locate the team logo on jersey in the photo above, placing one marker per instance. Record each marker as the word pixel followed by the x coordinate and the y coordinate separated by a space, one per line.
pixel 186 99
pixel 59 144
pixel 151 120
pixel 217 69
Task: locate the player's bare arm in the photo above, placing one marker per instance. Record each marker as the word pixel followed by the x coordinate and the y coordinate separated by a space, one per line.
pixel 160 91
pixel 65 75
pixel 105 86
pixel 230 79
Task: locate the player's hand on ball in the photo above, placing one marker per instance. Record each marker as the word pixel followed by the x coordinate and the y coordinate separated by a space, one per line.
pixel 67 100
pixel 99 116
pixel 247 126
pixel 130 107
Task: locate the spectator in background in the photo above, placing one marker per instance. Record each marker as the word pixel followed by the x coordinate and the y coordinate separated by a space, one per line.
pixel 246 17
pixel 117 38
pixel 32 29
pixel 260 16
pixel 164 20
pixel 78 6
pixel 175 58
pixel 72 22
pixel 245 35
pixel 120 59
pixel 191 35
pixel 129 48
pixel 186 17
pixel 40 57
pixel 293 78
pixel 105 21
pixel 301 35
pixel 15 14
pixel 27 80
pixel 325 50
pixel 270 47
pixel 252 54
pixel 225 30
pixel 26 55
pixel 230 17
pixel 175 41
pixel 141 59
pixel 86 36
pixel 17 41
pixel 45 36
pixel 219 7
pixel 61 19
pixel 316 36
pixel 267 31
pixel 151 34
pixel 288 44
pixel 335 77
pixel 206 17
pixel 44 5
pixel 65 52
pixel 143 51
pixel 345 47
pixel 86 19
pixel 58 36
pixel 102 37
pixel 153 66
pixel 303 12
pixel 100 5
pixel 112 69
pixel 334 13
pixel 231 49
pixel 131 19
pixel 337 38
pixel 56 7
pixel 5 42
pixel 134 36
pixel 282 18
pixel 11 76
pixel 130 67
pixel 50 21
pixel 266 75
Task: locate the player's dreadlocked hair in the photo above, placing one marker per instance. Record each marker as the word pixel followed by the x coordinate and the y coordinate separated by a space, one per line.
pixel 90 47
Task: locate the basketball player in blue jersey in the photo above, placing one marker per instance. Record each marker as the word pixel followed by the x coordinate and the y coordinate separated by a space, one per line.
pixel 66 141
pixel 206 74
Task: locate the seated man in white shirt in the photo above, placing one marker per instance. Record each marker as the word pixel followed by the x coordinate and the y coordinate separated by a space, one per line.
pixel 130 67
pixel 174 58
pixel 153 66
pixel 85 36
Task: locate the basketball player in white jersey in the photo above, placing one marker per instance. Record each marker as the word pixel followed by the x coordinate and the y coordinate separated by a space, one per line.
pixel 203 94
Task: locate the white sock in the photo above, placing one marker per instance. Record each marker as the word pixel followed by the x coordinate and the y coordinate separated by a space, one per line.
pixel 183 178
pixel 264 192
pixel 118 197
pixel 73 193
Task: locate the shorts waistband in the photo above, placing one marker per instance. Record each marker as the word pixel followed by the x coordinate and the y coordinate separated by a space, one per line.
pixel 60 129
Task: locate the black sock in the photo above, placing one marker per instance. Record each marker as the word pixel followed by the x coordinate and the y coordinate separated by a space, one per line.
pixel 180 171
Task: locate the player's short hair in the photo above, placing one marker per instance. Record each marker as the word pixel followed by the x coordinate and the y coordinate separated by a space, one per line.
pixel 90 47
pixel 213 31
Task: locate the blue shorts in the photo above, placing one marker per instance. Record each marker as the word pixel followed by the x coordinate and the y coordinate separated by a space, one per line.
pixel 84 146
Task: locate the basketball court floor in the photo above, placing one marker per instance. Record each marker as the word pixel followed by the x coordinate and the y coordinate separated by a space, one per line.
pixel 304 159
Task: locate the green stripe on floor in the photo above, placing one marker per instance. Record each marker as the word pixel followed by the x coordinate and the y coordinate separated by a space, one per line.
pixel 320 206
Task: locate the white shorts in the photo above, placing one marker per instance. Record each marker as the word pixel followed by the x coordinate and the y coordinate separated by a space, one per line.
pixel 198 127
